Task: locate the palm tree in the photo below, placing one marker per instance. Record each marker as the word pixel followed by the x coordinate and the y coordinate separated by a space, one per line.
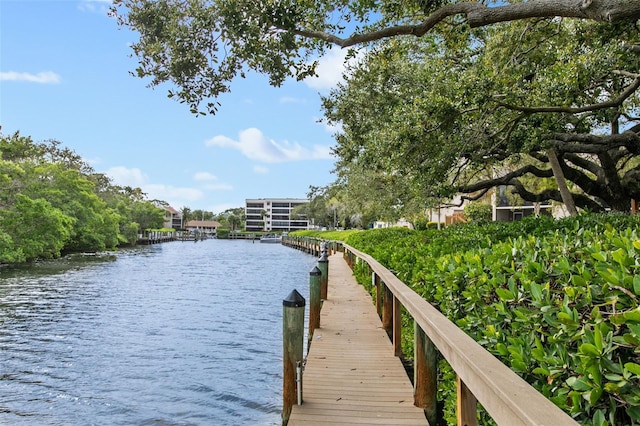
pixel 234 221
pixel 186 215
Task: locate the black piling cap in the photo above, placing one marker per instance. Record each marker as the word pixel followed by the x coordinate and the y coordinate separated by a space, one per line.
pixel 294 300
pixel 315 271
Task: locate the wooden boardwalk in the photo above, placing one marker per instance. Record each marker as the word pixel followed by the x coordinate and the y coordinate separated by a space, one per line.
pixel 351 375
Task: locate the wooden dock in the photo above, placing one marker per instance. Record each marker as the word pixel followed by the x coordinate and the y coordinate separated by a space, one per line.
pixel 351 375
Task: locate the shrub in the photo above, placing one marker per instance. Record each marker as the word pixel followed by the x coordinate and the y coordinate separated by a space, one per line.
pixel 555 300
pixel 478 212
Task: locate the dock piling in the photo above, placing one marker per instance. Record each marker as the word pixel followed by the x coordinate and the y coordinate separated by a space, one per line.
pixel 292 342
pixel 315 302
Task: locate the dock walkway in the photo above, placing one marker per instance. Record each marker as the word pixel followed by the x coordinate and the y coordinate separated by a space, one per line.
pixel 351 375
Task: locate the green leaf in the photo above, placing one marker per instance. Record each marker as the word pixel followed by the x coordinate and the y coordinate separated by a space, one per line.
pixel 595 395
pixel 634 412
pixel 541 371
pixel 597 338
pixel 536 291
pixel 635 329
pixel 578 384
pixel 633 367
pixel 578 281
pixel 502 349
pixel 599 419
pixel 609 277
pixel 619 256
pixel 589 349
pixel 633 315
pixel 636 284
pixel 505 294
pixel 518 365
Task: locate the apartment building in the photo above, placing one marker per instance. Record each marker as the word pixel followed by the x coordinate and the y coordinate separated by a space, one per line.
pixel 273 214
pixel 172 218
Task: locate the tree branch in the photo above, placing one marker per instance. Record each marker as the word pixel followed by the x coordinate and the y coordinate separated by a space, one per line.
pixel 479 15
pixel 506 179
pixel 586 148
pixel 629 139
pixel 583 163
pixel 581 200
pixel 626 93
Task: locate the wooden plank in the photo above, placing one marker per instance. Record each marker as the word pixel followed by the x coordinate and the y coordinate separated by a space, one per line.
pixel 351 374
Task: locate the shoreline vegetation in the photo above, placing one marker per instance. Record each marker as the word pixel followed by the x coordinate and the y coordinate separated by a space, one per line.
pixel 556 300
pixel 53 203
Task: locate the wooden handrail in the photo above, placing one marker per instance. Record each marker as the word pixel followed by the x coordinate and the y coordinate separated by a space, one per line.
pixel 507 398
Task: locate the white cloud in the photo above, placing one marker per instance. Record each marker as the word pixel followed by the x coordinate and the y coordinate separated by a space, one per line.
pixel 134 177
pixel 204 176
pixel 208 177
pixel 45 77
pixel 168 192
pixel 100 6
pixel 330 68
pixel 291 100
pixel 253 144
pixel 260 169
pixel 127 177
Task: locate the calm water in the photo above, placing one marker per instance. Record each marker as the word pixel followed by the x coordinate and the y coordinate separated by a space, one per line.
pixel 179 333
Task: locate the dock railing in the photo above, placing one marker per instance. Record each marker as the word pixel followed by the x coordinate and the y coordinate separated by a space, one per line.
pixel 481 377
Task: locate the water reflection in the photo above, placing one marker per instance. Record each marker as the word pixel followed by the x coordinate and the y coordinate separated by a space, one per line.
pixel 179 333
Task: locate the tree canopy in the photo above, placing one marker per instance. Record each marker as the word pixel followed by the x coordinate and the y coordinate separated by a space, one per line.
pixel 458 95
pixel 200 46
pixel 485 108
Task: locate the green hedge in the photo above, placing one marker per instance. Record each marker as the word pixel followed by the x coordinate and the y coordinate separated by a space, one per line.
pixel 326 235
pixel 556 300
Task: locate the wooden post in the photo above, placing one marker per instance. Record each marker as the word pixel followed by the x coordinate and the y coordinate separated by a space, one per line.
pixel 323 265
pixel 397 327
pixel 387 311
pixel 314 299
pixel 425 375
pixel 292 341
pixel 467 406
pixel 376 283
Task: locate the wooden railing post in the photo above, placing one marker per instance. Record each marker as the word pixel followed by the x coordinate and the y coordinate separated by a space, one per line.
pixel 425 375
pixel 397 327
pixel 375 281
pixel 315 300
pixel 323 265
pixel 467 405
pixel 387 311
pixel 292 342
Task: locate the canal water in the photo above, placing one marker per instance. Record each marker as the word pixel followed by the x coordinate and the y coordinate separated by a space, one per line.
pixel 179 333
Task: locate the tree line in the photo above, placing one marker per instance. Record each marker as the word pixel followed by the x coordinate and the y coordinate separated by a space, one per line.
pixel 53 202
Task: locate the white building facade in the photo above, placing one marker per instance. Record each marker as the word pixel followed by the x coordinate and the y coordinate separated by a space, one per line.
pixel 273 214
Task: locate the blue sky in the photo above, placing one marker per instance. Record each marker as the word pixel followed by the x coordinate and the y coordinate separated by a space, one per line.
pixel 64 75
